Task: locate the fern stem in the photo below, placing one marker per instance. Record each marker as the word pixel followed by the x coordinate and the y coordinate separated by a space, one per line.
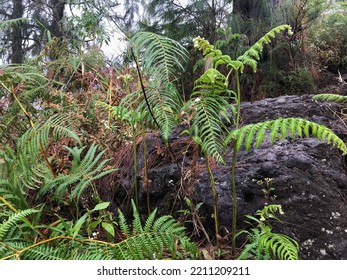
pixel 144 143
pixel 8 204
pixel 234 199
pixel 233 166
pixel 215 198
pixel 14 210
pixel 110 96
pixel 167 145
pixel 238 92
pixel 136 194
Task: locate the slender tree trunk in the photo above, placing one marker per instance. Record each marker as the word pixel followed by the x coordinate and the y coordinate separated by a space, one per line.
pixel 17 55
pixel 58 7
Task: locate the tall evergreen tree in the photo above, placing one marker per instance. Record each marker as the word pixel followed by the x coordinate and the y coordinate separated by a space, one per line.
pixel 183 22
pixel 28 24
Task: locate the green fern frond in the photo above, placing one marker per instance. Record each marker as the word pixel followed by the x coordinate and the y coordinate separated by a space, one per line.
pixel 252 55
pixel 217 56
pixel 330 97
pixel 209 105
pixel 161 58
pixel 33 83
pixel 209 111
pixel 264 244
pixel 84 171
pixel 165 103
pixel 40 136
pixel 151 240
pixel 279 246
pixel 118 112
pixel 12 23
pixel 123 225
pixel 13 220
pixel 283 129
pixel 161 55
pixel 211 81
pixel 47 252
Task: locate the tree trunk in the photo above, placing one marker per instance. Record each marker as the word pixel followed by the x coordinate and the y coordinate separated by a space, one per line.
pixel 58 7
pixel 17 55
pixel 248 8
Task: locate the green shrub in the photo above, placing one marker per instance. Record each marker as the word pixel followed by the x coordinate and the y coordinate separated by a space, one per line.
pixel 329 39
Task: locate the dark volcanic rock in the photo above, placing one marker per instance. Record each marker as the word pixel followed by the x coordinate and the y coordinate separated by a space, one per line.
pixel 309 180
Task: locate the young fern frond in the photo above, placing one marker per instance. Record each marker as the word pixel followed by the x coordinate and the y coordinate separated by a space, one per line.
pixel 265 244
pixel 252 55
pixel 161 55
pixel 330 97
pixel 283 129
pixel 211 81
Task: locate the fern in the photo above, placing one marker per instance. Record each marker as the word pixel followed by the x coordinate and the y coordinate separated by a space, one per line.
pixel 152 240
pixel 264 244
pixel 330 97
pixel 209 107
pixel 13 220
pixel 12 23
pixel 251 56
pixel 166 104
pixel 33 84
pixel 158 238
pixel 18 173
pixel 283 129
pixel 40 136
pixel 26 166
pixel 161 56
pixel 84 171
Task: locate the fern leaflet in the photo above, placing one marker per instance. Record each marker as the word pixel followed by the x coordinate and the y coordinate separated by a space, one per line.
pixel 13 220
pixel 283 129
pixel 330 97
